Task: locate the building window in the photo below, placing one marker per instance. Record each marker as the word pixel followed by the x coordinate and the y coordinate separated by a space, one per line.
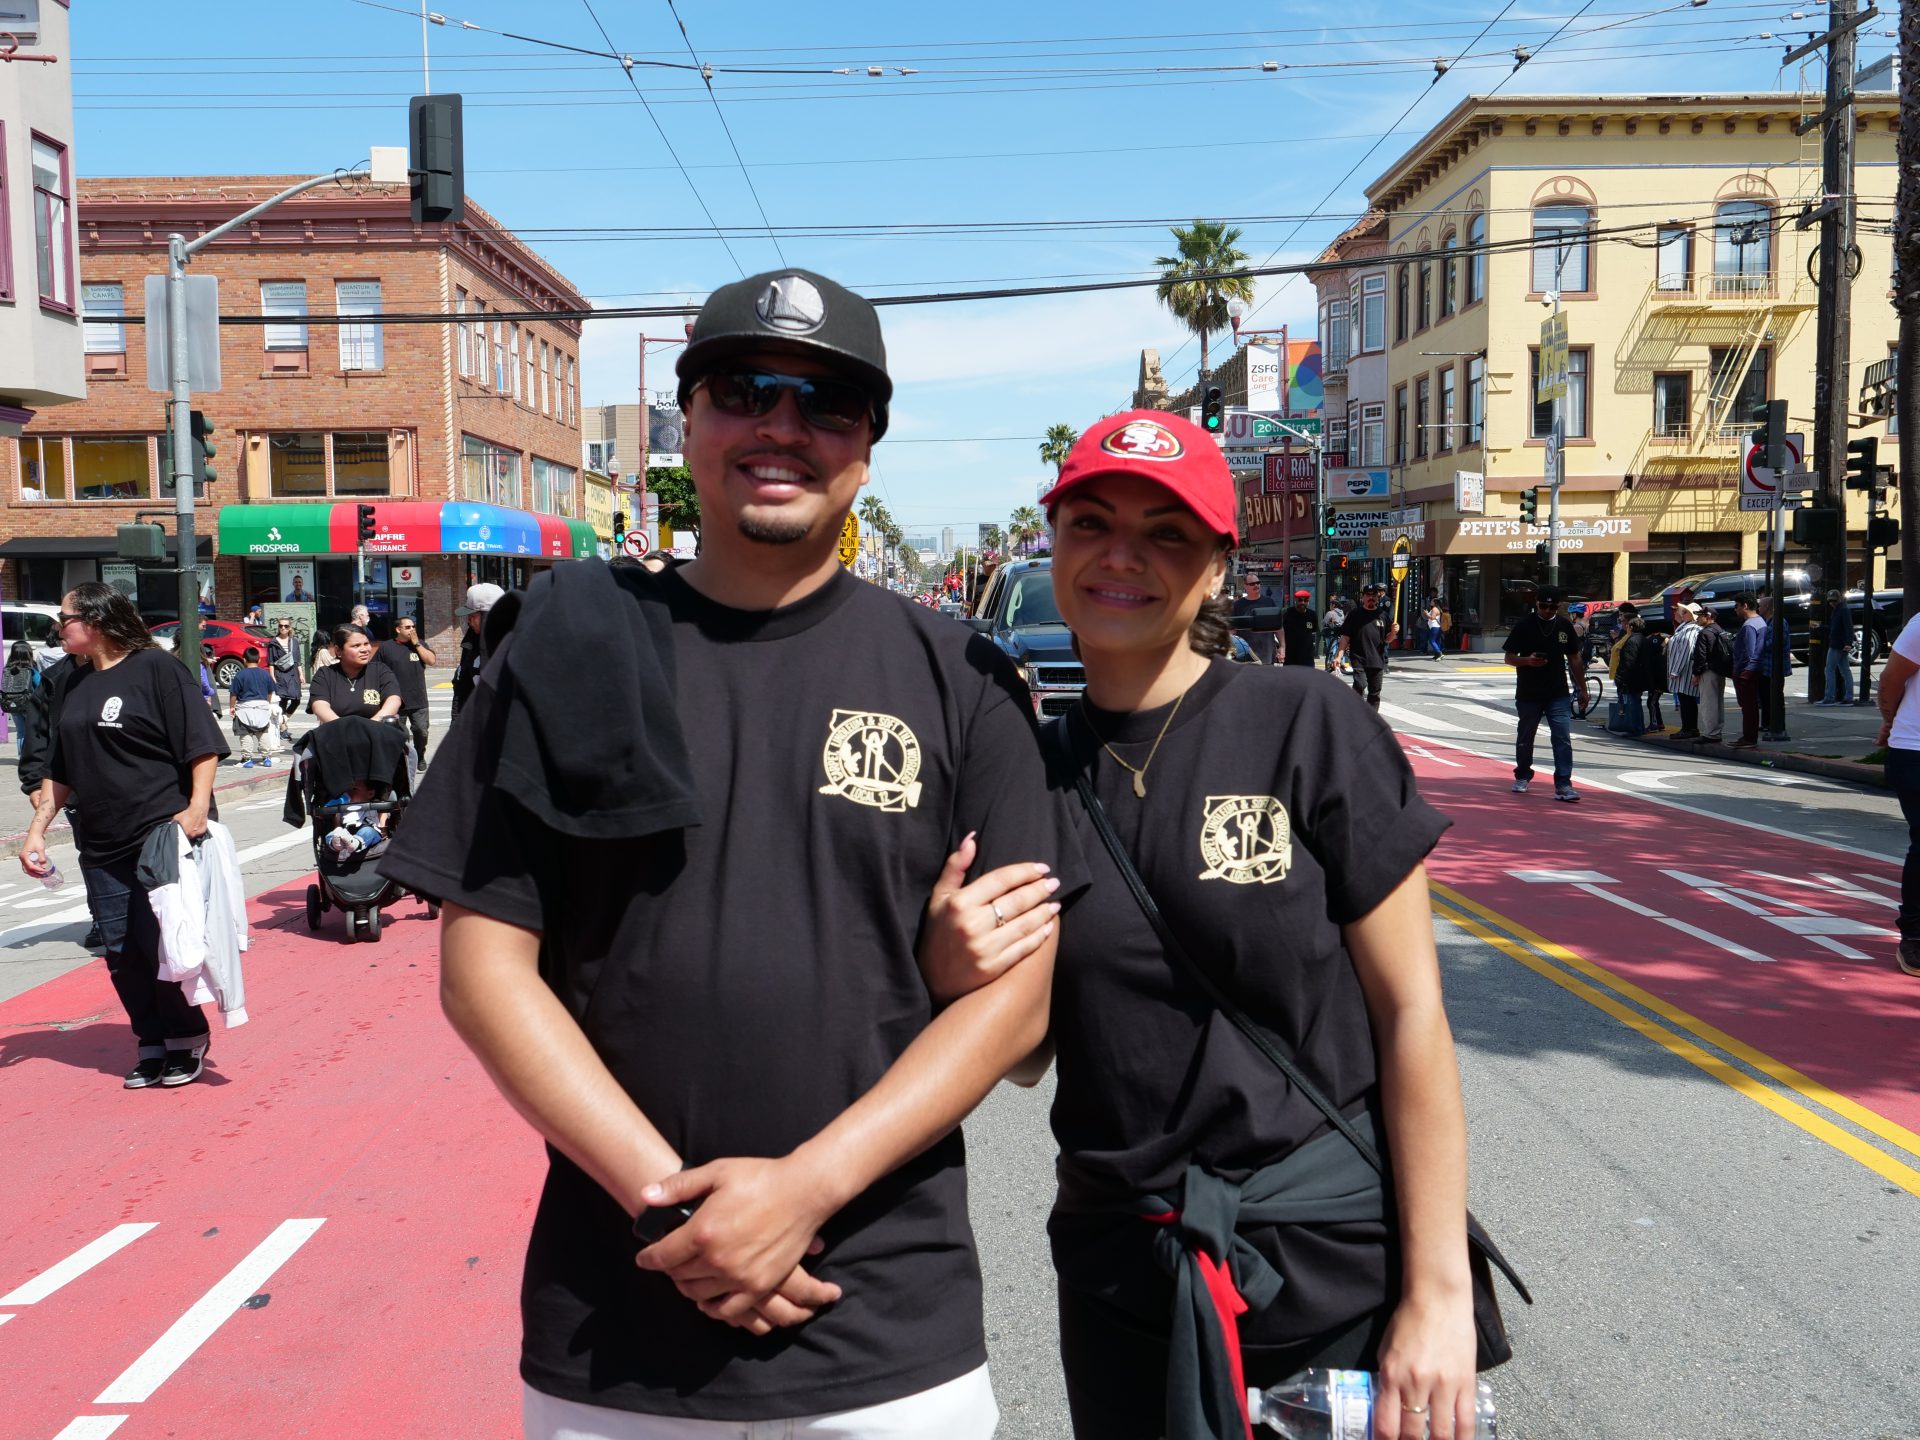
pixel 105 345
pixel 6 221
pixel 460 336
pixel 53 221
pixel 546 379
pixel 1422 413
pixel 513 360
pixel 1476 400
pixel 1893 411
pixel 43 469
pixel 1560 244
pixel 362 463
pixel 285 336
pixel 1573 409
pixel 362 347
pixel 534 398
pixel 1450 275
pixel 1477 261
pixel 1373 315
pixel 1742 246
pixel 490 473
pixel 542 499
pixel 1401 288
pixel 1674 268
pixel 1449 381
pixel 1737 397
pixel 481 369
pixel 297 465
pixel 1672 405
pixel 1400 425
pixel 1423 314
pixel 563 477
pixel 1333 326
pixel 500 356
pixel 573 391
pixel 1336 450
pixel 111 467
pixel 1373 435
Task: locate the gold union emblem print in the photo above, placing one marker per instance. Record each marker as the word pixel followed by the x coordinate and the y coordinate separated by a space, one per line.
pixel 1246 840
pixel 872 759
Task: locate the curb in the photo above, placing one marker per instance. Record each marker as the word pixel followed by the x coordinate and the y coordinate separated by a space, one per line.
pixel 1761 757
pixel 10 845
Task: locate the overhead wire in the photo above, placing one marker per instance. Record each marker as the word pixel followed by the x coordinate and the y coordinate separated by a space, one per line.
pixel 706 76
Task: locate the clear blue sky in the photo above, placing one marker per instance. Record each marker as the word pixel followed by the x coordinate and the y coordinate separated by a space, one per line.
pixel 1019 112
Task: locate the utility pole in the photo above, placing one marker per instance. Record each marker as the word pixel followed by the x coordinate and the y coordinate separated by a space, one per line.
pixel 1556 443
pixel 1838 257
pixel 1906 302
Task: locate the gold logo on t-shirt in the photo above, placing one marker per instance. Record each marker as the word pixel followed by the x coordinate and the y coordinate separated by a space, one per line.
pixel 872 759
pixel 1246 840
pixel 369 697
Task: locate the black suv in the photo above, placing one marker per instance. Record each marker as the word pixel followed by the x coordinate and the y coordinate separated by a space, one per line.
pixel 1017 610
pixel 1719 588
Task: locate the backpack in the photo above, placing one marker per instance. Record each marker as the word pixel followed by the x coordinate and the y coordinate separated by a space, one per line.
pixel 16 690
pixel 1712 651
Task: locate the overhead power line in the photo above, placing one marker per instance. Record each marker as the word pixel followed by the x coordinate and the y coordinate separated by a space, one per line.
pixel 706 76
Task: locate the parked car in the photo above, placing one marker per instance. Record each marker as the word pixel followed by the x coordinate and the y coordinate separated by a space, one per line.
pixel 37 624
pixel 1018 612
pixel 228 639
pixel 1719 588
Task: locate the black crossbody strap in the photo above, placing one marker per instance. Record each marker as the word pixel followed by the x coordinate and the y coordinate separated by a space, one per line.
pixel 1262 1040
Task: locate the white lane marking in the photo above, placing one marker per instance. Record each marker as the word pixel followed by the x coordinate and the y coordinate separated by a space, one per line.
pixel 1563 877
pixel 75 1265
pixel 1592 887
pixel 1481 712
pixel 1655 779
pixel 1712 939
pixel 4 1319
pixel 207 1314
pixel 40 902
pixel 1625 904
pixel 1808 923
pixel 1437 759
pixel 1408 719
pixel 91 1427
pixel 270 847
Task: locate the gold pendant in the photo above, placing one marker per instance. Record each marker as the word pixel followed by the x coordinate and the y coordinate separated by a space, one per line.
pixel 1139 785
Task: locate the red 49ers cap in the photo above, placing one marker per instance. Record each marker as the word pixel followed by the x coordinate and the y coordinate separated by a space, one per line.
pixel 1166 449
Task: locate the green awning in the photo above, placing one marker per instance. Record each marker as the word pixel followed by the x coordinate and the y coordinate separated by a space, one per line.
pixel 276 529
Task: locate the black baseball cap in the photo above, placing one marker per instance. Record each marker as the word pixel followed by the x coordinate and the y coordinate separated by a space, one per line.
pixel 795 312
pixel 1547 595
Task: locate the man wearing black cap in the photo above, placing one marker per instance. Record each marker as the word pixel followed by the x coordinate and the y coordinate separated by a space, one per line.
pixel 1299 632
pixel 1364 639
pixel 1544 652
pixel 755 1209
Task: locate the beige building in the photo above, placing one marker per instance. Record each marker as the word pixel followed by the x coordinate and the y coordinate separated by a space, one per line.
pixel 1666 225
pixel 43 359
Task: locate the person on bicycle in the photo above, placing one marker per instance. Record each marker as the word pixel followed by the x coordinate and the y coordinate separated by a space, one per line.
pixel 1544 652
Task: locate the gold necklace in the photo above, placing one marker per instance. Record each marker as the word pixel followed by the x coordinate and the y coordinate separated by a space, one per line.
pixel 1140 774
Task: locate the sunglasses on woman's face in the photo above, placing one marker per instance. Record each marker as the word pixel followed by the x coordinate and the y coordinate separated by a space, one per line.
pixel 61 619
pixel 825 403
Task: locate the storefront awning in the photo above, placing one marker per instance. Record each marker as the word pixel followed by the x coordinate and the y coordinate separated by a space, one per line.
pixel 80 547
pixel 1604 534
pixel 402 527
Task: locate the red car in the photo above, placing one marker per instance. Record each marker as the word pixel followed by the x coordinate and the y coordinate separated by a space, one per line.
pixel 228 639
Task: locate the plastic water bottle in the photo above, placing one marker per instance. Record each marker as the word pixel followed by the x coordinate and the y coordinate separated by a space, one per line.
pixel 53 879
pixel 1338 1405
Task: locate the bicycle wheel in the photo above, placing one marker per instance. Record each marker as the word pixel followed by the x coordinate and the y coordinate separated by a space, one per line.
pixel 1589 697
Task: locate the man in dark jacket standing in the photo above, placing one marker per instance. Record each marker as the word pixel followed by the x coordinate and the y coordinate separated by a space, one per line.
pixel 408 658
pixel 473 640
pixel 1839 644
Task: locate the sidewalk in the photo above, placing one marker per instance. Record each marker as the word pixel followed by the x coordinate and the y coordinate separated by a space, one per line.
pixel 1831 741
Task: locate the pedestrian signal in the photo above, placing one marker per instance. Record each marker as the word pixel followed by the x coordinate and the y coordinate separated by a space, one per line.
pixel 1883 532
pixel 1816 527
pixel 1863 463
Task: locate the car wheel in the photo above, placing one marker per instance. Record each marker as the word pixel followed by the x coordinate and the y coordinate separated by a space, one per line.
pixel 224 672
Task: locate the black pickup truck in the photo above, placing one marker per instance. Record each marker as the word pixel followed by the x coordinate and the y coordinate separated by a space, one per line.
pixel 1719 588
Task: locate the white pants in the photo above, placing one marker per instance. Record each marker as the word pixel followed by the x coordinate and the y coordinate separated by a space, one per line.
pixel 961 1409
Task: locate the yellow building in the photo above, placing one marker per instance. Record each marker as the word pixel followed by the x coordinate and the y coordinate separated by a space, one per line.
pixel 1687 297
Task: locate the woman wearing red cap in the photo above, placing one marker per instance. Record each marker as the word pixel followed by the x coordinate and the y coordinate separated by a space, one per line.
pixel 1274 821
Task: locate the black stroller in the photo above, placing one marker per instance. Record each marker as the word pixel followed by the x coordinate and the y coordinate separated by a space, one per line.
pixel 330 762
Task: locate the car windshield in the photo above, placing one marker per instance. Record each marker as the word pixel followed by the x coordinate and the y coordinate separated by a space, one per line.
pixel 1032 601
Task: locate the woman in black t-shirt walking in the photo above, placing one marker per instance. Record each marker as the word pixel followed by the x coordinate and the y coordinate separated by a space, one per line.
pixel 1274 819
pixel 135 747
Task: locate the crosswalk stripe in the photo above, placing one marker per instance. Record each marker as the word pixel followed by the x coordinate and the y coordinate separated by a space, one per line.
pixel 75 1265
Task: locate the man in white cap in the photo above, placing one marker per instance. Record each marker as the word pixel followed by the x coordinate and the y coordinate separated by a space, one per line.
pixel 473 642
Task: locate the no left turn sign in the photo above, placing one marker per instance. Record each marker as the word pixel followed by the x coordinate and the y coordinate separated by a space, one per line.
pixel 636 544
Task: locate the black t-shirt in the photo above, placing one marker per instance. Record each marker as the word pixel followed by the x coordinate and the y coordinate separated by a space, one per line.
pixel 1552 638
pixel 1278 808
pixel 1366 632
pixel 747 979
pixel 409 672
pixel 1302 633
pixel 363 695
pixel 125 742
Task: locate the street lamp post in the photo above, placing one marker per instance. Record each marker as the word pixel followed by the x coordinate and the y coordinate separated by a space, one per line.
pixel 643 421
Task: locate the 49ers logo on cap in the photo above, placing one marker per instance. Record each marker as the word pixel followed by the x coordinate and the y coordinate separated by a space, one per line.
pixel 1144 440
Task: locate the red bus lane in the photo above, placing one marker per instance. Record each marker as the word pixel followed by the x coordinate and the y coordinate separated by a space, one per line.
pixel 1782 944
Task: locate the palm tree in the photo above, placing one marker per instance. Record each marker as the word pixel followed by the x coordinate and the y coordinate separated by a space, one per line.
pixel 1201 305
pixel 992 539
pixel 1024 526
pixel 1053 449
pixel 873 511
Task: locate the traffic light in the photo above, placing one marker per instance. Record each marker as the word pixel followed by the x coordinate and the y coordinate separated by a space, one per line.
pixel 1770 436
pixel 1330 524
pixel 1530 505
pixel 1883 532
pixel 1213 408
pixel 436 159
pixel 1539 549
pixel 619 527
pixel 200 451
pixel 1817 527
pixel 1863 463
pixel 369 527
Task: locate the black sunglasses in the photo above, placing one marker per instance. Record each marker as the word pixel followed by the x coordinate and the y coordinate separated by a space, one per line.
pixel 61 619
pixel 825 403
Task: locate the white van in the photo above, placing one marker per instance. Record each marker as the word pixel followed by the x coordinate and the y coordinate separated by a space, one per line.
pixel 36 624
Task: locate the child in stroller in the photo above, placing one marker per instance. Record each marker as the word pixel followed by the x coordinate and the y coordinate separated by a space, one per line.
pixel 350 776
pixel 359 829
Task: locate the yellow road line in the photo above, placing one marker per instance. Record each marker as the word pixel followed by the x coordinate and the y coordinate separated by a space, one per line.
pixel 1882 1164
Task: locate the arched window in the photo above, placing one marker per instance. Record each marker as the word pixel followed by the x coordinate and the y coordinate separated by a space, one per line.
pixel 1477 261
pixel 1423 316
pixel 1561 247
pixel 1401 286
pixel 1742 246
pixel 1450 274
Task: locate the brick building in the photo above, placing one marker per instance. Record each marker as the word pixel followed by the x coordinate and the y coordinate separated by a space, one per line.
pixel 464 437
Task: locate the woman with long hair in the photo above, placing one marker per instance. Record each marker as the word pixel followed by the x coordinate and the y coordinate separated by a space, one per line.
pixel 283 658
pixel 135 747
pixel 360 684
pixel 1212 1229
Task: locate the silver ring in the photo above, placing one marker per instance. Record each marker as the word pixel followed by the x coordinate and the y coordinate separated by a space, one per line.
pixel 998 918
